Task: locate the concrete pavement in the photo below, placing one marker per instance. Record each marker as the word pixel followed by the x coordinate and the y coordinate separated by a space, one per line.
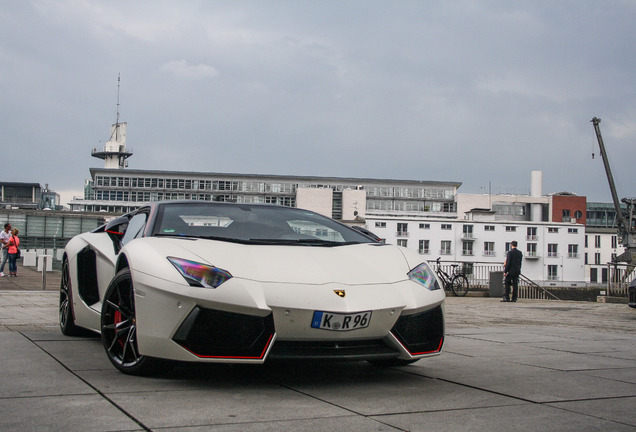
pixel 530 365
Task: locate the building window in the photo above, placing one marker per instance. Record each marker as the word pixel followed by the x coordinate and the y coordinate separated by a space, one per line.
pixel 402 229
pixel 402 242
pixel 425 226
pixel 573 230
pixel 511 228
pixel 531 249
pixel 614 242
pixel 573 251
pixel 380 224
pixel 586 240
pixel 468 231
pixel 489 228
pixel 489 248
pixel 553 272
pixel 578 215
pixel 597 258
pixel 467 248
pixel 445 247
pixel 597 241
pixel 553 230
pixel 424 246
pixel 446 226
pixel 593 275
pixel 553 250
pixel 531 234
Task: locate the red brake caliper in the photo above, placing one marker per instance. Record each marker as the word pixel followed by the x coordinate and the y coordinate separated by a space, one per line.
pixel 117 319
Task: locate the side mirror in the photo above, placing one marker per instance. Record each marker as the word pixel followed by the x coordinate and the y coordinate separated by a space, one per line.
pixel 116 230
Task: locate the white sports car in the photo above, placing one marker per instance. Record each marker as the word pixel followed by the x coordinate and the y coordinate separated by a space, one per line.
pixel 201 281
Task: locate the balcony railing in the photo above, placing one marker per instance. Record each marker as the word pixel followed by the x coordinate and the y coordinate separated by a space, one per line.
pixel 402 233
pixel 531 255
pixel 424 251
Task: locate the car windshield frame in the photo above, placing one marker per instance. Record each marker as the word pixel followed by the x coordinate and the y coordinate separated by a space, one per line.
pixel 252 224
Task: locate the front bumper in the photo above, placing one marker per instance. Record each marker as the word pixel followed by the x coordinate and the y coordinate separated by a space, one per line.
pixel 210 334
pixel 250 322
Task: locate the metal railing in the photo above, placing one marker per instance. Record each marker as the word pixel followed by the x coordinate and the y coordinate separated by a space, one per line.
pixel 478 275
pixel 620 276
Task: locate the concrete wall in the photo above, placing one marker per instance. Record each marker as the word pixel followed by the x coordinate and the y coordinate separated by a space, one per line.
pixel 314 199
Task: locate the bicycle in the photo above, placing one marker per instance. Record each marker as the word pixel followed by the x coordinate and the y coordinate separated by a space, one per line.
pixel 456 282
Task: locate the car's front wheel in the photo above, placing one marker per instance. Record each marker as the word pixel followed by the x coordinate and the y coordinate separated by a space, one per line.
pixel 119 327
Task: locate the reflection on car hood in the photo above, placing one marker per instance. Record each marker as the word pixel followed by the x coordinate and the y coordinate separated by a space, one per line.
pixel 349 264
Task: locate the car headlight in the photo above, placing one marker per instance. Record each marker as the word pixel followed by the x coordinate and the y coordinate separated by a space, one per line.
pixel 424 275
pixel 200 275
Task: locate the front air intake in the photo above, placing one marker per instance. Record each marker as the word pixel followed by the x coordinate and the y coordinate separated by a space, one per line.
pixel 421 333
pixel 209 333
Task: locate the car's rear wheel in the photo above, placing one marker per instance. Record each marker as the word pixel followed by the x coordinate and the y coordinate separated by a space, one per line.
pixel 67 318
pixel 119 327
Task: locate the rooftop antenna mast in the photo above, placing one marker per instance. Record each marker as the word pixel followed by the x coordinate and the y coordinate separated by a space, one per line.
pixel 114 152
pixel 116 130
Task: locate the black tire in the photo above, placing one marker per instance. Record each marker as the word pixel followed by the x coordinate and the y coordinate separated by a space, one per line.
pixel 119 327
pixel 66 315
pixel 459 285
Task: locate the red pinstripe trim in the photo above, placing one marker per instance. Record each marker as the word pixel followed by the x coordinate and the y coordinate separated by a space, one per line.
pixel 235 357
pixel 439 347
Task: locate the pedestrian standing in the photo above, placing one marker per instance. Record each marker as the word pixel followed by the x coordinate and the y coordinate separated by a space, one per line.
pixel 5 235
pixel 14 243
pixel 512 271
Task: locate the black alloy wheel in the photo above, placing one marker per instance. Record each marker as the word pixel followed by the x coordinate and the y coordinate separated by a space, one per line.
pixel 119 327
pixel 67 319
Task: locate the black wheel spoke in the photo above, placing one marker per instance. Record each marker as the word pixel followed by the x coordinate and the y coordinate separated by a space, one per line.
pixel 119 329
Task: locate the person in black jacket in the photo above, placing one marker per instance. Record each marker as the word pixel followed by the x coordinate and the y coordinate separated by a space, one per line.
pixel 512 270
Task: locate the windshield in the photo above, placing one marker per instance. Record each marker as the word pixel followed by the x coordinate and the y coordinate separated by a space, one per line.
pixel 252 224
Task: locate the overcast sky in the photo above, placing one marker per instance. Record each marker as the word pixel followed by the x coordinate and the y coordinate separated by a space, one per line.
pixel 478 92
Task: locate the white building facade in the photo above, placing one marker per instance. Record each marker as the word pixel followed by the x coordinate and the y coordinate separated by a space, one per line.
pixel 553 252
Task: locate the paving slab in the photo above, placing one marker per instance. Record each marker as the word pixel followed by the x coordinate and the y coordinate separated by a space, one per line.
pixel 527 417
pixel 81 413
pixel 28 371
pixel 618 410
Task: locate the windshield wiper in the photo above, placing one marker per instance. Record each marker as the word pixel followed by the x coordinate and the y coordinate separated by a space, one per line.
pixel 306 241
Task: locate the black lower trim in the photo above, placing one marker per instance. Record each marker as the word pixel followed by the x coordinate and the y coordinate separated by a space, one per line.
pixel 341 350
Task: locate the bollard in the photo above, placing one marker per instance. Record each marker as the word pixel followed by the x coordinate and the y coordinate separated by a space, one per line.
pixel 44 258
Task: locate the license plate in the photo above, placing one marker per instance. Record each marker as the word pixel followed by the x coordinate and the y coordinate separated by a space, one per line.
pixel 340 322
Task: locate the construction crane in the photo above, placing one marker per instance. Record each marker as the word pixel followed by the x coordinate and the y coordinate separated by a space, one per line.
pixel 626 219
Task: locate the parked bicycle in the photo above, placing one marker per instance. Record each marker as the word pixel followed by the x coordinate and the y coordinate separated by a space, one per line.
pixel 457 282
